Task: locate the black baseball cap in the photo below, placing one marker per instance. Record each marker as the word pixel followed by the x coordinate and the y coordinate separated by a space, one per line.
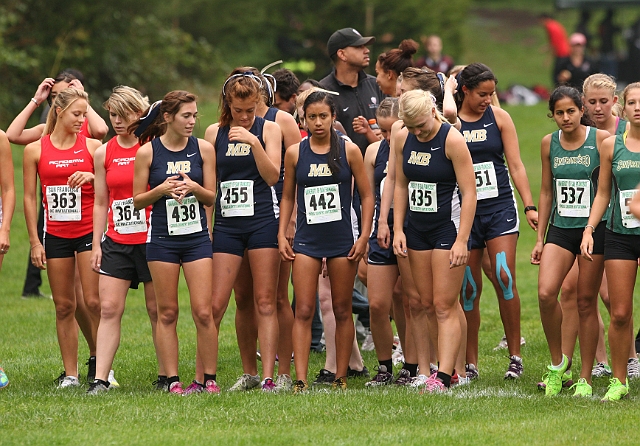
pixel 346 37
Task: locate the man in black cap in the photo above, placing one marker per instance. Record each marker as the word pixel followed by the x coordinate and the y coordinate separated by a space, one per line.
pixel 359 93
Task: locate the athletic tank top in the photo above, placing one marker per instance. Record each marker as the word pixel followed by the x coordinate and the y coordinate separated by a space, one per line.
pixel 621 126
pixel 125 224
pixel 84 130
pixel 324 220
pixel 484 141
pixel 434 198
pixel 625 178
pixel 575 180
pixel 245 202
pixel 380 168
pixel 171 221
pixel 270 115
pixel 68 212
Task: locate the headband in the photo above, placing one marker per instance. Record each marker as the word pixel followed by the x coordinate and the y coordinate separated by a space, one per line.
pixel 147 119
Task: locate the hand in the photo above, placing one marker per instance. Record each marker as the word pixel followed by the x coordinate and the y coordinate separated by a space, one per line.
pixel 536 254
pixel 96 258
pixel 358 250
pixel 185 186
pixel 458 255
pixel 400 244
pixel 532 219
pixel 451 85
pixel 168 186
pixel 285 249
pixel 76 84
pixel 4 242
pixel 384 234
pixel 291 231
pixel 78 178
pixel 360 125
pixel 42 93
pixel 586 246
pixel 564 76
pixel 240 134
pixel 38 257
pixel 323 268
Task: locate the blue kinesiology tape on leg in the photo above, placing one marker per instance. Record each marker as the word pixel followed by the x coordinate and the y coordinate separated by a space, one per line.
pixel 466 281
pixel 501 262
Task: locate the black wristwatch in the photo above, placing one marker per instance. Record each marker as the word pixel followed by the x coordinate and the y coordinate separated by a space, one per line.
pixel 530 208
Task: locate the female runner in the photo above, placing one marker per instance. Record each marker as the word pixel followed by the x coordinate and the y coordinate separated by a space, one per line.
pixel 391 64
pixel 248 150
pixel 570 165
pixel 175 172
pixel 434 168
pixel 491 137
pixel 322 167
pixel 120 255
pixel 63 159
pixel 619 165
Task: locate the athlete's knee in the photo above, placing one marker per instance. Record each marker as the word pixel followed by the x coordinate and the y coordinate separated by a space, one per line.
pixel 65 309
pixel 342 312
pixel 152 311
pixel 110 310
pixel 587 304
pixel 504 276
pixel 547 297
pixel 244 300
pixel 202 315
pixel 168 315
pixel 470 290
pixel 266 304
pixel 621 316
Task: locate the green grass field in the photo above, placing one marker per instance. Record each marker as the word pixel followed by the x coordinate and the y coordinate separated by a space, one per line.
pixel 489 411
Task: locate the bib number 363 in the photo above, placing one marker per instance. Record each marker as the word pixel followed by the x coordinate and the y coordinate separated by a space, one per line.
pixel 64 203
pixel 183 218
pixel 322 204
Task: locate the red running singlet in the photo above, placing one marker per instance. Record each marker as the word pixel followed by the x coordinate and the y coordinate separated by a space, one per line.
pixel 68 212
pixel 126 225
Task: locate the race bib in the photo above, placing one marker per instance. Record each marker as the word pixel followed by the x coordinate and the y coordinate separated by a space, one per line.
pixel 486 183
pixel 64 203
pixel 126 218
pixel 183 218
pixel 423 197
pixel 573 198
pixel 322 204
pixel 236 198
pixel 628 220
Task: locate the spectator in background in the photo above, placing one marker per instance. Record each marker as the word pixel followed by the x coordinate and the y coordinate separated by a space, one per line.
pixel 573 70
pixel 287 85
pixel 608 58
pixel 583 27
pixel 434 59
pixel 557 40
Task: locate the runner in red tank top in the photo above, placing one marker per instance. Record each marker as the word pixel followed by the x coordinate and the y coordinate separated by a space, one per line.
pixel 68 208
pixel 120 255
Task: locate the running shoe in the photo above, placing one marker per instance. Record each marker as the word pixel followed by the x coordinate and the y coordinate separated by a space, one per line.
pixel 364 373
pixel 567 381
pixel 97 387
pixel 284 383
pixel 211 387
pixel 300 387
pixel 503 343
pixel 419 381
pixel 616 391
pixel 268 385
pixel 367 344
pixel 246 382
pixel 324 377
pixel 382 378
pixel 194 387
pixel 176 388
pixel 60 378
pixel 516 369
pixel 433 368
pixel 404 378
pixel 434 385
pixel 4 381
pixel 91 372
pixel 461 381
pixel 69 381
pixel 582 389
pixel 553 378
pixel 472 371
pixel 601 369
pixel 633 368
pixel 161 384
pixel 112 380
pixel 339 384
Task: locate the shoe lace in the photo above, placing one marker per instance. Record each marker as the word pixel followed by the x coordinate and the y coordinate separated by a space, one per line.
pixel 434 384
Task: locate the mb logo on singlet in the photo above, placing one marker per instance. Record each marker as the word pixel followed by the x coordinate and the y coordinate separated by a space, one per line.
pixel 319 170
pixel 178 166
pixel 239 149
pixel 419 158
pixel 475 135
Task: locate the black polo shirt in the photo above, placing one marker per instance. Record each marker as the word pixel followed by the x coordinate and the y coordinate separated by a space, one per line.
pixel 362 100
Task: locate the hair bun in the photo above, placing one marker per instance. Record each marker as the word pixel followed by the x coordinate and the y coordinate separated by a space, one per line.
pixel 409 47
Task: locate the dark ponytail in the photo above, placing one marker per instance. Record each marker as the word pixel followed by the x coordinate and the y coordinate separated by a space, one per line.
pixel 333 156
pixel 472 76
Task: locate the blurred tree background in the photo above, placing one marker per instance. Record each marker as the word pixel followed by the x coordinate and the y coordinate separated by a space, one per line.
pixel 157 45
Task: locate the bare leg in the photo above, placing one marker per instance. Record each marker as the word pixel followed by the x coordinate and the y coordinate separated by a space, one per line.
pixel 569 305
pixel 246 324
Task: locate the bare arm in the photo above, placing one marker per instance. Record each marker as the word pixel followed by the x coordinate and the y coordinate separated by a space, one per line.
pixel 8 191
pixel 205 193
pixel 30 184
pixel 268 158
pixel 354 157
pixel 546 199
pixel 449 108
pixel 17 131
pixel 287 202
pixel 98 129
pixel 141 196
pixel 100 206
pixel 386 199
pixel 400 196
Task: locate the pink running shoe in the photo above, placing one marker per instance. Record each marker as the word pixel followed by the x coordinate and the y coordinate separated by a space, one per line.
pixel 268 385
pixel 176 388
pixel 211 387
pixel 194 387
pixel 434 385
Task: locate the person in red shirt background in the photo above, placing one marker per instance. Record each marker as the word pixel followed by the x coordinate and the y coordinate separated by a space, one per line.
pixel 557 40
